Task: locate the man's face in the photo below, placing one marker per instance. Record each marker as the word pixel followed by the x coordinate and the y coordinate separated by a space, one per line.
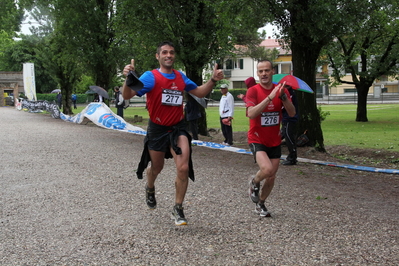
pixel 166 56
pixel 265 73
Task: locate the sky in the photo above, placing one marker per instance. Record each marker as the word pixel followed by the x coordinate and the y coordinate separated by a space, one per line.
pixel 25 24
pixel 25 28
pixel 269 30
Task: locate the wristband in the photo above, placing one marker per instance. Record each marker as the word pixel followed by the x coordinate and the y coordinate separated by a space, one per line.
pixel 284 97
pixel 213 80
pixel 270 99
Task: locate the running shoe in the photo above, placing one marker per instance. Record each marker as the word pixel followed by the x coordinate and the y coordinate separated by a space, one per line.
pixel 254 191
pixel 178 215
pixel 261 209
pixel 150 197
pixel 289 162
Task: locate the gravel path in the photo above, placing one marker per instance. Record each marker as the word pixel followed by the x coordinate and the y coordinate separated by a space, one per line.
pixel 69 196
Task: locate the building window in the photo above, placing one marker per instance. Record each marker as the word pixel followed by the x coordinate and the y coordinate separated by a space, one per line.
pixel 285 68
pixel 239 64
pixel 229 64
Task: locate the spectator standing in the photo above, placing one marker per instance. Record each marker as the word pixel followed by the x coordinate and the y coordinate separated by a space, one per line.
pixel 74 99
pixel 59 99
pixel 226 112
pixel 119 101
pixel 288 129
pixel 249 82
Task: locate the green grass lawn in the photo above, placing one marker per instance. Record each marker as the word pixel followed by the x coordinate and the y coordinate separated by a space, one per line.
pixel 339 128
pixel 381 132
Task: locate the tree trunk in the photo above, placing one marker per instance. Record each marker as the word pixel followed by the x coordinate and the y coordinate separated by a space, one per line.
pixel 66 102
pixel 309 120
pixel 361 113
pixel 66 98
pixel 304 66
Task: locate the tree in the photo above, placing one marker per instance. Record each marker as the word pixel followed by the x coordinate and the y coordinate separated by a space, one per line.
pixel 202 31
pixel 88 27
pixel 306 27
pixel 42 15
pixel 57 54
pixel 83 38
pixel 6 41
pixel 367 50
pixel 28 49
pixel 11 16
pixel 10 21
pixel 63 66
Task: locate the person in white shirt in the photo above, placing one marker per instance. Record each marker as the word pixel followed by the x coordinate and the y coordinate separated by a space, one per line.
pixel 226 112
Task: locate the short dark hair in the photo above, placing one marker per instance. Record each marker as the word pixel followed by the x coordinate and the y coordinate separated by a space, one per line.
pixel 265 60
pixel 116 88
pixel 164 43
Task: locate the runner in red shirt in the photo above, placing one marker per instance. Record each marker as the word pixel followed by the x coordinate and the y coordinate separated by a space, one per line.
pixel 264 108
pixel 166 133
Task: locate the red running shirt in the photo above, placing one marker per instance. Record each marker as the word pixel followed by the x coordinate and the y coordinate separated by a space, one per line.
pixel 265 129
pixel 165 100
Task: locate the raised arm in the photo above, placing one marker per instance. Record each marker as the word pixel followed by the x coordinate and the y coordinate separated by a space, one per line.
pixel 255 111
pixel 288 105
pixel 204 89
pixel 127 92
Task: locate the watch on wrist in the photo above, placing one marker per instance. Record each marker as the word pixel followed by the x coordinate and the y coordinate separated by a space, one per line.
pixel 283 97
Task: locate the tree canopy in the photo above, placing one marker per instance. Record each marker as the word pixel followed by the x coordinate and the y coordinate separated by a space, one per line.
pixel 100 37
pixel 10 23
pixel 367 49
pixel 28 49
pixel 202 31
pixel 11 16
pixel 306 27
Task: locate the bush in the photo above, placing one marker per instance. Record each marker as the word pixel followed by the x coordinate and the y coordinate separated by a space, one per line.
pixel 84 84
pixel 216 94
pixel 50 97
pixel 323 114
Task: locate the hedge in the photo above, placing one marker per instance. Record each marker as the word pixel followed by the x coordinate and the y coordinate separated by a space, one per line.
pixel 50 97
pixel 216 94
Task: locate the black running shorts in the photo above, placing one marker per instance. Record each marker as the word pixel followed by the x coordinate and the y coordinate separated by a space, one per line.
pixel 160 140
pixel 272 152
